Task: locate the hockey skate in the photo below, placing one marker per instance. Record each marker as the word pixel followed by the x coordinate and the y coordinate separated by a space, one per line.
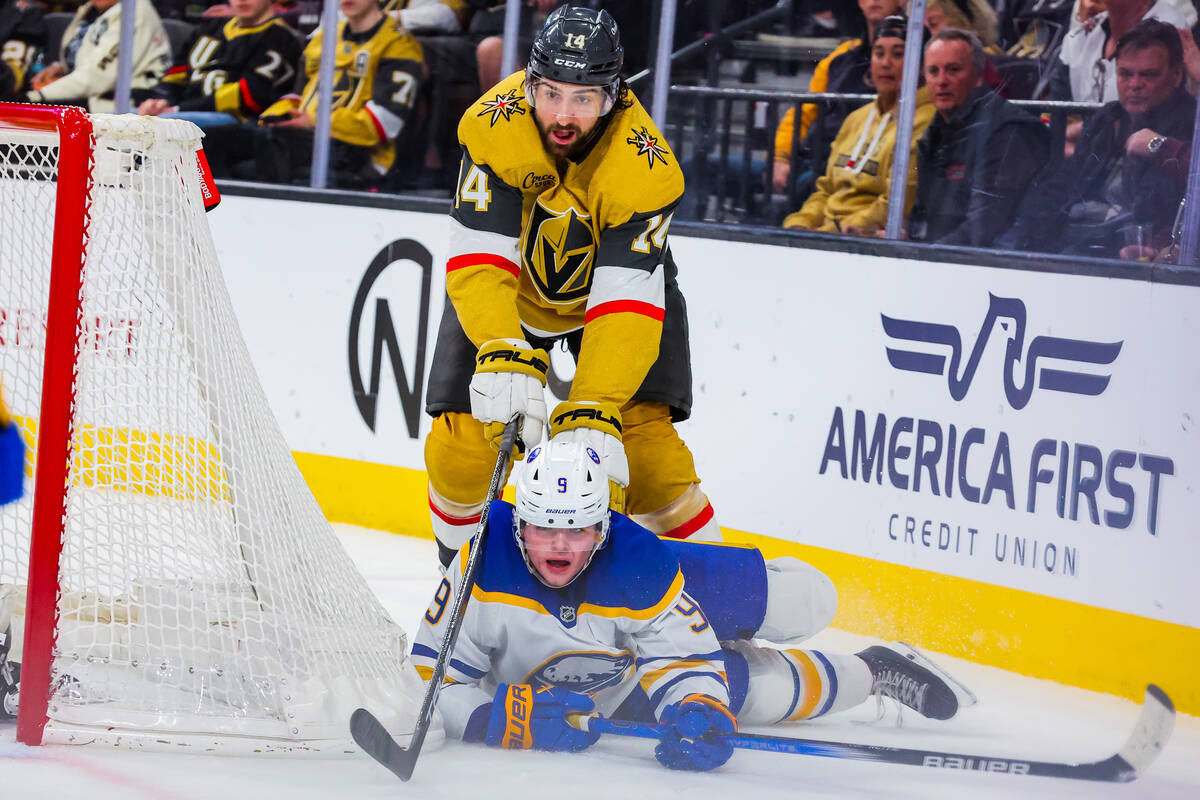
pixel 10 671
pixel 903 674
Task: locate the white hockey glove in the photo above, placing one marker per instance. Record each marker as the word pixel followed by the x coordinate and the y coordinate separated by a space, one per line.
pixel 510 378
pixel 598 426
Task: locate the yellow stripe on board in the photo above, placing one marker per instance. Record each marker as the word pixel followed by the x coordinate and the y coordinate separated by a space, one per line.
pixel 1027 633
pixel 141 462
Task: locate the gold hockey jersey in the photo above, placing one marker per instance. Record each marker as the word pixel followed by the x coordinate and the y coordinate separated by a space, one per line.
pixel 376 77
pixel 236 70
pixel 587 249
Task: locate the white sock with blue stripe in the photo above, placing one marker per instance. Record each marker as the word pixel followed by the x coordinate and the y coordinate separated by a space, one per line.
pixel 799 684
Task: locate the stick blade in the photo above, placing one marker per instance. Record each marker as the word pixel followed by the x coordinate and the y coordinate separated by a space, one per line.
pixel 373 738
pixel 1151 733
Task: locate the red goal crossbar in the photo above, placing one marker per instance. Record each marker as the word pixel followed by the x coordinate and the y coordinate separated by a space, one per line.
pixel 71 218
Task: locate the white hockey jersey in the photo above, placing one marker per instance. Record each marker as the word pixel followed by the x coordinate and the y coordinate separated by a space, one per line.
pixel 625 624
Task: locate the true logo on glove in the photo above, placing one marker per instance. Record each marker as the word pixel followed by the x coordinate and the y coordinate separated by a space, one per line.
pixel 513 357
pixel 596 414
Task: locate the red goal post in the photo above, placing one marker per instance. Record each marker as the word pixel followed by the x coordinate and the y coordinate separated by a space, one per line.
pixel 74 130
pixel 176 582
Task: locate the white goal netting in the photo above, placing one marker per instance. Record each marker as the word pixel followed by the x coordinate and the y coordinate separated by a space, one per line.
pixel 203 597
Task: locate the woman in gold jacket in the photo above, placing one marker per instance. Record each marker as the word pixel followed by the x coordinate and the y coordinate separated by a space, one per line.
pixel 851 197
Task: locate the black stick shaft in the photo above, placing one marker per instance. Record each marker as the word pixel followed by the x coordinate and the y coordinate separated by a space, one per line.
pixel 369 734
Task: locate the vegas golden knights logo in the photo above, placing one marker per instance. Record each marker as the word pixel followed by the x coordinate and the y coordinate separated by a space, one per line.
pixel 559 252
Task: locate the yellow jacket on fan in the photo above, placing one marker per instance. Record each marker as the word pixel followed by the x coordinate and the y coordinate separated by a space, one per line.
pixel 376 76
pixel 808 112
pixel 853 192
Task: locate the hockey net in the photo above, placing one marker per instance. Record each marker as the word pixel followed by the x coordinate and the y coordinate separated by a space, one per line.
pixel 185 587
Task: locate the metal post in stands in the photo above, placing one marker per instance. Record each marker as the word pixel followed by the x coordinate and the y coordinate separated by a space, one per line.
pixel 1191 209
pixel 898 187
pixel 662 62
pixel 512 24
pixel 121 92
pixel 319 177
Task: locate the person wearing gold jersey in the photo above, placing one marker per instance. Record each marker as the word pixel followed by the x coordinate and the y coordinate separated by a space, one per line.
pixel 559 231
pixel 852 195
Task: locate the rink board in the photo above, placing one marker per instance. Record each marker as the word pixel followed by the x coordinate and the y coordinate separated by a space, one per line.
pixel 1028 502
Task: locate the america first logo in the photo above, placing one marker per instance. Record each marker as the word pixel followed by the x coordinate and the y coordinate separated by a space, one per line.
pixel 586 672
pixel 1052 363
pixel 559 251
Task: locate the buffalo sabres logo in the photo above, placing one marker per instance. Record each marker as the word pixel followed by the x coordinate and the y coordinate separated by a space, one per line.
pixel 559 250
pixel 504 105
pixel 586 672
pixel 647 146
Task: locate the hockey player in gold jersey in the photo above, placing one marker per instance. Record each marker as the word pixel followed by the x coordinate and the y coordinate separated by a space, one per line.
pixel 559 235
pixel 234 67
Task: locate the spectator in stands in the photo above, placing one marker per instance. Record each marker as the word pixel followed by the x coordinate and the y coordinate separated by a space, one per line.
pixel 488 26
pixel 1120 179
pixel 231 70
pixel 378 70
pixel 87 74
pixel 968 15
pixel 1089 50
pixel 432 16
pixel 852 196
pixel 979 154
pixel 843 71
pixel 22 36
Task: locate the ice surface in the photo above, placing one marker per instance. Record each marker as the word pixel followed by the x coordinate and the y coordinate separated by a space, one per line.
pixel 1016 716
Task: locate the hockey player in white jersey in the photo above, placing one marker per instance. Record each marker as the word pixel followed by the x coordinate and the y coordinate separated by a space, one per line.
pixel 576 608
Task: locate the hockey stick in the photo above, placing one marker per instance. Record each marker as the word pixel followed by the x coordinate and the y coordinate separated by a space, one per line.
pixel 368 732
pixel 1145 743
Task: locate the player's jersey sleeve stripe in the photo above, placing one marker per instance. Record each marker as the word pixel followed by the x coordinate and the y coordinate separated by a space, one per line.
pixel 482 259
pixel 614 284
pixel 715 655
pixel 467 669
pixel 716 678
pixel 387 124
pixel 419 649
pixel 470 246
pixel 655 675
pixel 627 306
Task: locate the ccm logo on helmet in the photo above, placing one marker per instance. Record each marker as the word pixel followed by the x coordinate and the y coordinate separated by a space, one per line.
pixel 587 413
pixel 566 62
pixel 513 356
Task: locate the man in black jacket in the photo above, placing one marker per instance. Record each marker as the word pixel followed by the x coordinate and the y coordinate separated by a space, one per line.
pixel 978 156
pixel 1100 195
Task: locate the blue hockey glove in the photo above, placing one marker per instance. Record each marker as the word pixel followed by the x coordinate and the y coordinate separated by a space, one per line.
pixel 12 459
pixel 694 734
pixel 521 718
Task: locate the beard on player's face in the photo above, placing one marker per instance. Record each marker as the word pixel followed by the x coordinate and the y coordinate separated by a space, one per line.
pixel 553 131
